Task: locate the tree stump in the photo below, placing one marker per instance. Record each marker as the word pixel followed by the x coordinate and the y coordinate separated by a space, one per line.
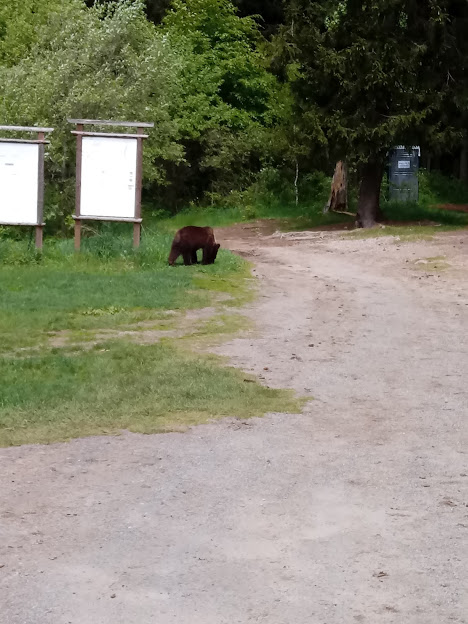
pixel 338 201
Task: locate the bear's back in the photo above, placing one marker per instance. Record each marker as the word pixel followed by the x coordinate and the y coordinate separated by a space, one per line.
pixel 194 235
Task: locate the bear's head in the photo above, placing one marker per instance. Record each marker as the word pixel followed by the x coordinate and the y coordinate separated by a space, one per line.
pixel 213 253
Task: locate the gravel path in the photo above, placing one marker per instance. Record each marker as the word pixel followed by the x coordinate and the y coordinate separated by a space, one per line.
pixel 354 511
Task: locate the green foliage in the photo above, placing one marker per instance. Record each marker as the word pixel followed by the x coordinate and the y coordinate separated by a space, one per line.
pixel 237 118
pixel 229 101
pixel 271 197
pixel 369 75
pixel 436 188
pixel 200 76
pixel 358 72
pixel 220 50
pixel 106 62
pixel 20 24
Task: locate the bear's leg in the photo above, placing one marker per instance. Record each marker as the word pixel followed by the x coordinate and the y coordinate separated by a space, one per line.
pixel 187 255
pixel 206 254
pixel 194 257
pixel 175 253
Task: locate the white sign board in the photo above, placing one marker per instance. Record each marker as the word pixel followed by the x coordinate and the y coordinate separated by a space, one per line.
pixel 19 183
pixel 108 177
pixel 404 164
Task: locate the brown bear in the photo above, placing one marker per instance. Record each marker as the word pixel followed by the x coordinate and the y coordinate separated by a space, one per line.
pixel 189 240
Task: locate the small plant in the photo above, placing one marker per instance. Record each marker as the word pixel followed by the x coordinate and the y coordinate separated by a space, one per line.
pixel 249 213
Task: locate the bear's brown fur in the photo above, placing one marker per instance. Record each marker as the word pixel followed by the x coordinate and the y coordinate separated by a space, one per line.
pixel 189 240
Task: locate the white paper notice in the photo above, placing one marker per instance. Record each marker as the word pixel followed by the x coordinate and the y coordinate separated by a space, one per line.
pixel 108 177
pixel 19 164
pixel 404 164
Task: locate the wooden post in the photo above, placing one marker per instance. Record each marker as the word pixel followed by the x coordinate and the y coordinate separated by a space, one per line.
pixel 136 234
pixel 40 192
pixel 138 184
pixel 77 234
pixel 39 236
pixel 79 152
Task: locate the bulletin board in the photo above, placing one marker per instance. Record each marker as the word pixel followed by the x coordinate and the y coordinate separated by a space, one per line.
pixel 109 171
pixel 22 177
pixel 19 183
pixel 108 177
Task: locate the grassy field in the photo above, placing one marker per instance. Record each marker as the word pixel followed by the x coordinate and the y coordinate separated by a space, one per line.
pixel 108 285
pixel 98 341
pixel 92 384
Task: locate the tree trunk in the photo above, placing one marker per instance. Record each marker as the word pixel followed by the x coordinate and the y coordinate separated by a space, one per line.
pixel 296 189
pixel 464 161
pixel 338 200
pixel 369 194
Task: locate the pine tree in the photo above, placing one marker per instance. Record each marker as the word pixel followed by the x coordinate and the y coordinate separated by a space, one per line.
pixel 378 73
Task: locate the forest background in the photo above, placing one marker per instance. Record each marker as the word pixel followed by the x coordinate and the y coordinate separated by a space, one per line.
pixel 253 102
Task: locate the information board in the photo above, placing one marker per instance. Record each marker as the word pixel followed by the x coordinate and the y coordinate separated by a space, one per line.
pixel 19 183
pixel 108 177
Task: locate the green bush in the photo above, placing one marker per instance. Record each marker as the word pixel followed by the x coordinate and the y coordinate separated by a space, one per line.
pixel 437 188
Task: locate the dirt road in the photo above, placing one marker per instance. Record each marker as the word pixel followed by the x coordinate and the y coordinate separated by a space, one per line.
pixel 354 511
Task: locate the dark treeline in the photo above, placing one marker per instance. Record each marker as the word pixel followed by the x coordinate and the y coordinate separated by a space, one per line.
pixel 246 96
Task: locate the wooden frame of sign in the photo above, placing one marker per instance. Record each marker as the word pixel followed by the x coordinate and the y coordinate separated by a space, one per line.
pixel 22 179
pixel 109 170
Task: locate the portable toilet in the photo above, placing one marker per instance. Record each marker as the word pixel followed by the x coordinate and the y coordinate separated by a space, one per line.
pixel 403 173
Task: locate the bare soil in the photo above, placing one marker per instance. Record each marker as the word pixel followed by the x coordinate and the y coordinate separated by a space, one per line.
pixel 354 511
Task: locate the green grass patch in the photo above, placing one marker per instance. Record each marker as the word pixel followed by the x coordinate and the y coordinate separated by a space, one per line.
pixel 289 217
pixel 405 233
pixel 108 285
pixel 214 330
pixel 212 216
pixel 235 292
pixel 60 395
pixel 101 385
